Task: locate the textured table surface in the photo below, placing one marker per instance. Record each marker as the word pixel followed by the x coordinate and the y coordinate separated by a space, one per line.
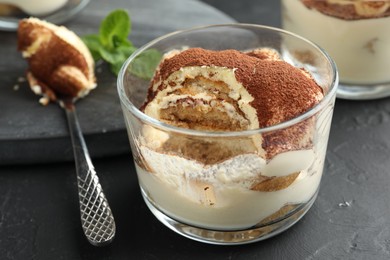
pixel 350 219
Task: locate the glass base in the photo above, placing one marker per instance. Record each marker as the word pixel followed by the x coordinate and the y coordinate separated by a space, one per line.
pixel 235 237
pixel 356 92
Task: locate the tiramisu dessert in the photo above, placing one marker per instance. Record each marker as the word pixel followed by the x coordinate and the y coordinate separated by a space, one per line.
pixel 60 65
pixel 354 32
pixel 210 179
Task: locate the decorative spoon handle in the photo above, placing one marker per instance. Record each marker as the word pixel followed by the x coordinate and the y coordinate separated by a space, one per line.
pixel 96 216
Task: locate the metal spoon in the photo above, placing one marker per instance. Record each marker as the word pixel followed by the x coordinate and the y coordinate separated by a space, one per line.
pixel 96 217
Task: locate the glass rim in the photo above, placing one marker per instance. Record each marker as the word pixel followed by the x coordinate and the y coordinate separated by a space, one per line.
pixel 167 127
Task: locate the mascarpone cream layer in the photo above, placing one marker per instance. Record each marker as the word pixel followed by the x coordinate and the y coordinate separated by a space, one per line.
pixel 223 206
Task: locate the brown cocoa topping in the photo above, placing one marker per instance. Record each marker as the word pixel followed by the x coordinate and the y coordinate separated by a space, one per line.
pixel 280 91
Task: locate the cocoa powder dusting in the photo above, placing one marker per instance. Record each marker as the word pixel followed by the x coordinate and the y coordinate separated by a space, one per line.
pixel 280 91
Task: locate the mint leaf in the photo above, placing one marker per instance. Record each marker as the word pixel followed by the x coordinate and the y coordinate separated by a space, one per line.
pixel 146 63
pixel 113 46
pixel 117 42
pixel 116 57
pixel 114 28
pixel 93 43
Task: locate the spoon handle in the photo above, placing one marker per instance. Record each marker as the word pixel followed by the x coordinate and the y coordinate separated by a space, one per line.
pixel 96 216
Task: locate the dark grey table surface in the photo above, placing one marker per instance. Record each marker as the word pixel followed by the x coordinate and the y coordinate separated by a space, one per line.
pixel 350 219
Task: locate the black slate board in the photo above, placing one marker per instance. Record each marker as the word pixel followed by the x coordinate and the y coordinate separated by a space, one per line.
pixel 27 127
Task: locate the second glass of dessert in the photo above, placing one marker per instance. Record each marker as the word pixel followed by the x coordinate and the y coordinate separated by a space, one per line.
pixel 229 134
pixel 356 34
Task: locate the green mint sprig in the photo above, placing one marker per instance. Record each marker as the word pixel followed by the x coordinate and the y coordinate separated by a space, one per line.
pixel 113 46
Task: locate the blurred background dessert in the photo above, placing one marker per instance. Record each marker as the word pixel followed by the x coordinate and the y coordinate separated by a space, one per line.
pixel 33 8
pixel 56 11
pixel 355 33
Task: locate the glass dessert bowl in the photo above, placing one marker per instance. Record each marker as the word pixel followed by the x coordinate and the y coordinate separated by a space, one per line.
pixel 57 11
pixel 229 136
